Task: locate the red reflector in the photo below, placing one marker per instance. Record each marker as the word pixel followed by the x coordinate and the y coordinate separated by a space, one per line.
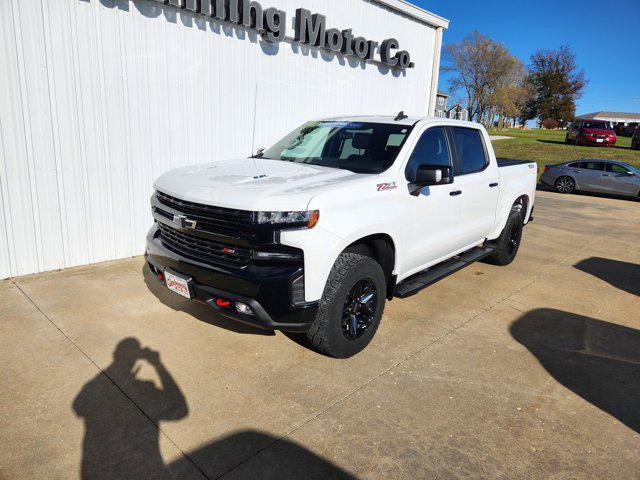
pixel 228 250
pixel 546 169
pixel 221 302
pixel 160 277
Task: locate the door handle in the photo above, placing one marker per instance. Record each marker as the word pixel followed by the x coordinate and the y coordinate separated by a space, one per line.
pixel 606 175
pixel 494 184
pixel 455 192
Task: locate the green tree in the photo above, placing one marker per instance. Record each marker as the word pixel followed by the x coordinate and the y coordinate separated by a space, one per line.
pixel 558 83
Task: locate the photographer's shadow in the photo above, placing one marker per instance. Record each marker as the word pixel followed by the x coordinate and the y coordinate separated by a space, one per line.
pixel 123 413
pixel 120 441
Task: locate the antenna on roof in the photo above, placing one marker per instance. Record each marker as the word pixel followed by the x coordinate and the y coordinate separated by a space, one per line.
pixel 400 116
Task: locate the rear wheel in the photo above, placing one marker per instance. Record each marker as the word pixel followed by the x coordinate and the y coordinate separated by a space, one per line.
pixel 351 307
pixel 507 244
pixel 565 185
pixel 576 142
pixel 634 144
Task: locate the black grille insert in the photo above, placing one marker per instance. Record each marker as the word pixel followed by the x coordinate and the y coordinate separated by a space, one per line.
pixel 224 221
pixel 202 249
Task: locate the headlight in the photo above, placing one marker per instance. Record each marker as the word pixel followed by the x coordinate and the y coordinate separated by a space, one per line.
pixel 302 219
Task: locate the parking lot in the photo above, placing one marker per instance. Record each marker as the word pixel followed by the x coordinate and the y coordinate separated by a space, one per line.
pixel 530 370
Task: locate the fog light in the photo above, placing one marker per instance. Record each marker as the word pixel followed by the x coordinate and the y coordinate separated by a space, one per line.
pixel 243 308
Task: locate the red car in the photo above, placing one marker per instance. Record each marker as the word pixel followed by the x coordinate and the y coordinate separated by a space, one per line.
pixel 586 131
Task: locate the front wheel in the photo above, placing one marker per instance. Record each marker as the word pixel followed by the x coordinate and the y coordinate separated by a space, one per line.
pixel 507 244
pixel 351 307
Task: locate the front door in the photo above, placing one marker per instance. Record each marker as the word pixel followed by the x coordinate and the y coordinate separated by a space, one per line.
pixel 434 214
pixel 617 181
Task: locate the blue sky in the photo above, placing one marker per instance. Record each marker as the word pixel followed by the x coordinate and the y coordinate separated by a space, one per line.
pixel 604 35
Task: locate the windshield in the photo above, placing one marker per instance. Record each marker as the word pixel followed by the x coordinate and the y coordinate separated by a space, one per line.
pixel 361 147
pixel 600 125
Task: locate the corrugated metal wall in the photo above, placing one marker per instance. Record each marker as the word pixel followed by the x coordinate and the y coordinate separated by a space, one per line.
pixel 99 97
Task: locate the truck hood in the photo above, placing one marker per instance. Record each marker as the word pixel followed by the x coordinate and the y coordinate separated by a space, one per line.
pixel 252 183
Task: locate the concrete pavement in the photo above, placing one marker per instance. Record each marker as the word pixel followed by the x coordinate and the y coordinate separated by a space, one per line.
pixel 525 371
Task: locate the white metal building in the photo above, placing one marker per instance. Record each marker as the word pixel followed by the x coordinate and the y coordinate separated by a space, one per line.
pixel 99 97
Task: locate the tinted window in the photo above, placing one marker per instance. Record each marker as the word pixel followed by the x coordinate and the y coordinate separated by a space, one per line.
pixel 615 168
pixel 574 165
pixel 469 150
pixel 600 125
pixel 592 165
pixel 432 148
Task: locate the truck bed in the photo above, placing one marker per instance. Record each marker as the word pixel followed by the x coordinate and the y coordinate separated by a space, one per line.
pixel 509 162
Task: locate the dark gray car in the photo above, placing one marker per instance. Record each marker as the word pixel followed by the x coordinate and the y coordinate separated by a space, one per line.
pixel 593 175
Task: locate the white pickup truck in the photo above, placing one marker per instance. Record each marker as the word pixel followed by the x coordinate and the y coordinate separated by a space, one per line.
pixel 314 233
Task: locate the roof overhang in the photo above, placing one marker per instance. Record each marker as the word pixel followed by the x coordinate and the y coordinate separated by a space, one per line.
pixel 416 12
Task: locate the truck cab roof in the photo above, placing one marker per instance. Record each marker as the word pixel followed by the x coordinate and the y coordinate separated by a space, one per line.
pixel 409 121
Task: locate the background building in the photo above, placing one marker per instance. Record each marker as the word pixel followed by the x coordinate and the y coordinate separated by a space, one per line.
pixel 441 104
pixel 458 112
pixel 99 97
pixel 615 118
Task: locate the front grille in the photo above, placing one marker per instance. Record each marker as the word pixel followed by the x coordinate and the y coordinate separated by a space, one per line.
pixel 223 221
pixel 202 249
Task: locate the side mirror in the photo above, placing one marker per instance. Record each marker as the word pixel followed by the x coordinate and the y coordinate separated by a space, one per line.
pixel 260 150
pixel 428 175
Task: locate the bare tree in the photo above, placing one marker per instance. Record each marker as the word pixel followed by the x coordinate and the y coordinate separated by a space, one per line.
pixel 487 74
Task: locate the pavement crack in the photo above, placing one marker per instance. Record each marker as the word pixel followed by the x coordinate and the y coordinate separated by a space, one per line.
pixel 115 384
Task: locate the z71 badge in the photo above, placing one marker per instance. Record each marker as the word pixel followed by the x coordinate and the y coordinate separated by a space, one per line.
pixel 386 186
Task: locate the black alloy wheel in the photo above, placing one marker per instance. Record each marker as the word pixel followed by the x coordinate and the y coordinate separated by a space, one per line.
pixel 515 235
pixel 359 309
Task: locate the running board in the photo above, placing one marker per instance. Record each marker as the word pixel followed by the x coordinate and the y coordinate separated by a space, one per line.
pixel 417 282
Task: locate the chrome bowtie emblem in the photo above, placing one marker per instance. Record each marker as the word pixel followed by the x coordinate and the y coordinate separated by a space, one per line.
pixel 183 222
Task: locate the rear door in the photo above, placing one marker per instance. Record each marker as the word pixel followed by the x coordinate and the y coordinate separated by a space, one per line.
pixel 477 184
pixel 589 177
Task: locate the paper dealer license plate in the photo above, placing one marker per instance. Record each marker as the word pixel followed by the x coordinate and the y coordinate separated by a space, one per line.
pixel 177 284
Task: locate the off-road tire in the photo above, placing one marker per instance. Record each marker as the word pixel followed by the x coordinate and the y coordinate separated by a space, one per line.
pixel 506 251
pixel 325 333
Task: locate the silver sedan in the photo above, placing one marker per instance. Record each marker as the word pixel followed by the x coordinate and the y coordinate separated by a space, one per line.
pixel 593 175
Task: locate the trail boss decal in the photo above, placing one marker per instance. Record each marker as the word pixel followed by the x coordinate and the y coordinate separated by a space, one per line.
pixel 386 186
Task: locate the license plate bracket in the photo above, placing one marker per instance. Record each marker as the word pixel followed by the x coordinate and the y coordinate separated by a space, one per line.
pixel 178 283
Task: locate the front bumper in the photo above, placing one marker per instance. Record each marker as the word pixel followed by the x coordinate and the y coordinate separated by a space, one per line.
pixel 593 141
pixel 265 288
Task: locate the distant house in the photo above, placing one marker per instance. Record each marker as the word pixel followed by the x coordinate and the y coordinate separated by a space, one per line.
pixel 441 104
pixel 458 112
